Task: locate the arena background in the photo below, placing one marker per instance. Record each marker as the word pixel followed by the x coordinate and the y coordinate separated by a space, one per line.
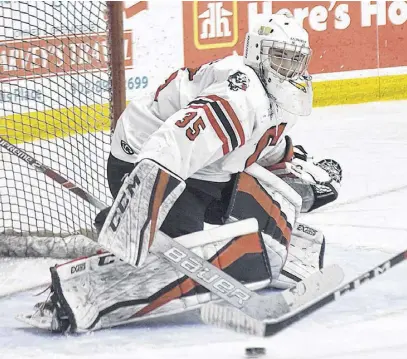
pixel 357 56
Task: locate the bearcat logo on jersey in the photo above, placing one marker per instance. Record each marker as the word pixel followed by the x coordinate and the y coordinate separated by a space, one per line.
pixel 126 148
pixel 238 81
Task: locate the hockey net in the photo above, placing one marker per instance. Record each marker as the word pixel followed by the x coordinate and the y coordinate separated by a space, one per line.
pixel 55 90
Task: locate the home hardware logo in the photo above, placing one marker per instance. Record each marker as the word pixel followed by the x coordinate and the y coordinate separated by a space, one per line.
pixel 215 24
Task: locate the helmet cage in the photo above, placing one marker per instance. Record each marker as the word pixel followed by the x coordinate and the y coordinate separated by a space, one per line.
pixel 286 61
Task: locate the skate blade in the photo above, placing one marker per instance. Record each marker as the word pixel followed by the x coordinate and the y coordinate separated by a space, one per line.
pixel 36 321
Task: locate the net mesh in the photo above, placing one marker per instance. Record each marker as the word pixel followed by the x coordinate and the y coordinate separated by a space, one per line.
pixel 54 106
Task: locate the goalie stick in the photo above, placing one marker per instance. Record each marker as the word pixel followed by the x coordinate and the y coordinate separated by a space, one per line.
pixel 224 286
pixel 229 318
pixel 237 294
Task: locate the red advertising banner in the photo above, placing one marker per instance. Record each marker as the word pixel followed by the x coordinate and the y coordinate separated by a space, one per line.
pixel 344 35
pixel 62 55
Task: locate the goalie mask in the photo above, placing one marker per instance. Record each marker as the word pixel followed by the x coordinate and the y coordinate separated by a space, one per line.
pixel 278 50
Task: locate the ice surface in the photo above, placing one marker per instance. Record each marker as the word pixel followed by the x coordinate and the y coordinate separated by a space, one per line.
pixel 367 225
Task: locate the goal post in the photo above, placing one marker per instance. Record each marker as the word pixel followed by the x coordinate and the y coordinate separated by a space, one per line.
pixel 61 90
pixel 116 43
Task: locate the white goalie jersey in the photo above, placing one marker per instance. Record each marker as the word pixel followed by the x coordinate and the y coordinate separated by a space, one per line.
pixel 206 123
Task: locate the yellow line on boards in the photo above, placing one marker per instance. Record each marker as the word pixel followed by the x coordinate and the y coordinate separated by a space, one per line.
pixel 49 124
pixel 352 91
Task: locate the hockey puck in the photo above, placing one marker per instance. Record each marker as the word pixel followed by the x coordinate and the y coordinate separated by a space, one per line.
pixel 255 352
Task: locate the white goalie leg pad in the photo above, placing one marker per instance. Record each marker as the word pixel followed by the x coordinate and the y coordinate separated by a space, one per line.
pixel 305 256
pixel 306 245
pixel 275 185
pixel 140 208
pixel 102 291
pixel 281 207
pixel 276 252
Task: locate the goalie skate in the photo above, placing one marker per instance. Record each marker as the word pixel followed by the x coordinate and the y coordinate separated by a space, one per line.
pixel 48 316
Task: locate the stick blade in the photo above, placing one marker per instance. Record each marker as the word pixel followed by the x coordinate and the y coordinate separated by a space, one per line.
pixel 303 293
pixel 224 316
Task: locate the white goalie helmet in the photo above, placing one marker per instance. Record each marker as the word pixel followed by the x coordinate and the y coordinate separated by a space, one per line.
pixel 277 48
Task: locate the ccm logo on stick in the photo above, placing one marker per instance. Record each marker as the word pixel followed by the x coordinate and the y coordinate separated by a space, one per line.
pixel 220 284
pixel 367 276
pixel 124 202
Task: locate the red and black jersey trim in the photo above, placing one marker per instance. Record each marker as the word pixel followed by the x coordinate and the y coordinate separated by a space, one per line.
pixel 223 120
pixel 269 138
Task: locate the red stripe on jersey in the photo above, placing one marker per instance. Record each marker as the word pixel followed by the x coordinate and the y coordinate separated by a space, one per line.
pixel 215 126
pixel 232 116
